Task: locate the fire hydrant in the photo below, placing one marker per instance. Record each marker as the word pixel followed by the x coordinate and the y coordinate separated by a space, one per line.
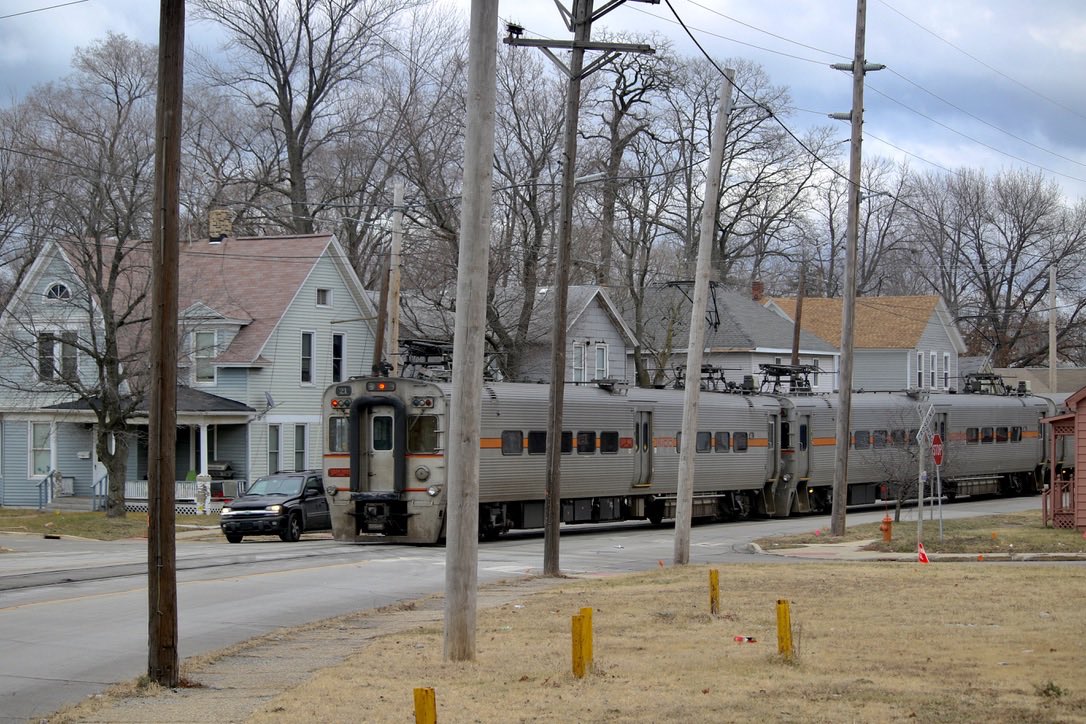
pixel 887 528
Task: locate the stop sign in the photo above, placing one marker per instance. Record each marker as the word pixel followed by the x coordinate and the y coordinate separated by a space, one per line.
pixel 937 449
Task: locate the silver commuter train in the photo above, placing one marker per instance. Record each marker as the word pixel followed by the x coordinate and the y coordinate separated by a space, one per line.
pixel 759 452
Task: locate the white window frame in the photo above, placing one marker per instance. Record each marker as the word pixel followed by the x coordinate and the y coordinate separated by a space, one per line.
pixel 205 353
pixel 304 449
pixel 58 292
pixel 578 363
pixel 919 370
pixel 32 451
pixel 275 433
pixel 946 370
pixel 933 372
pixel 327 293
pixel 602 370
pixel 312 358
pixel 57 373
pixel 338 375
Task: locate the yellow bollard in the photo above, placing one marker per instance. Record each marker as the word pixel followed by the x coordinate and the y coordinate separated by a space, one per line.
pixel 784 629
pixel 586 636
pixel 714 591
pixel 425 706
pixel 578 646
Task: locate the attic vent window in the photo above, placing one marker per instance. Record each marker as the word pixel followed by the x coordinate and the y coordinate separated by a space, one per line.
pixel 324 297
pixel 58 291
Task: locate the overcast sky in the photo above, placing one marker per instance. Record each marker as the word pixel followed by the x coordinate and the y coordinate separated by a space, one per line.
pixel 997 84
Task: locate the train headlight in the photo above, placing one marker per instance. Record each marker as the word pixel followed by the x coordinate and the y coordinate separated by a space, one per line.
pixel 787 477
pixel 331 490
pixel 433 491
pixel 422 474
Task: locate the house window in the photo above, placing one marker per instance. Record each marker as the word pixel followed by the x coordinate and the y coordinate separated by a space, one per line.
pixel 274 439
pixel 307 359
pixel 324 297
pixel 919 370
pixel 578 362
pixel 58 291
pixel 931 369
pixel 299 447
pixel 56 356
pixel 203 351
pixel 337 358
pixel 41 448
pixel 601 362
pixel 814 372
pixel 946 371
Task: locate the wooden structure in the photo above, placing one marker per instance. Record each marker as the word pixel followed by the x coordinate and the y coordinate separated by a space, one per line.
pixel 1063 503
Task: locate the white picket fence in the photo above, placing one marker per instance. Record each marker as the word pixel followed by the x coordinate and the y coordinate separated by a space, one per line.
pixel 135 495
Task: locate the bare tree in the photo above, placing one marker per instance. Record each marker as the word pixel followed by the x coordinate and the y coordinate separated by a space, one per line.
pixel 296 62
pixel 93 133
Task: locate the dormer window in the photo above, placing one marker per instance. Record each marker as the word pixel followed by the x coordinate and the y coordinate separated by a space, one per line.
pixel 324 297
pixel 59 291
pixel 203 352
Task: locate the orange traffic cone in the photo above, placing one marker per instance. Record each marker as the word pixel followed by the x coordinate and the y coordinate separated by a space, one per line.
pixel 920 554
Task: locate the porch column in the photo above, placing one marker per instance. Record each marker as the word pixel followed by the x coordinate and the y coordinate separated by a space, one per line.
pixel 203 449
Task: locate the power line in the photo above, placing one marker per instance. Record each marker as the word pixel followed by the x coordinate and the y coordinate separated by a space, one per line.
pixel 40 10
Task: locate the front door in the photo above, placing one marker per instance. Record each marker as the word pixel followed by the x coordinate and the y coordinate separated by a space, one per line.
pixel 381 449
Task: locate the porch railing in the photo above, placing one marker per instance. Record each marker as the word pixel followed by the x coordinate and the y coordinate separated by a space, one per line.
pixel 98 493
pixel 186 489
pixel 45 490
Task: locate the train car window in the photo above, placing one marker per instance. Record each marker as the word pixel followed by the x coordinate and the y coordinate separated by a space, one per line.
pixel 537 442
pixel 1016 434
pixel 879 438
pixel 861 439
pixel 421 433
pixel 786 434
pixel 337 434
pixel 382 432
pixel 609 442
pixel 512 442
pixel 704 442
pixel 678 442
pixel 723 442
pixel 567 442
pixel 972 435
pixel 803 437
pixel 1001 434
pixel 739 442
pixel 586 443
pixel 987 434
pixel 897 438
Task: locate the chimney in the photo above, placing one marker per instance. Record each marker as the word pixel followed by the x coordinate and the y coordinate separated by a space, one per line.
pixel 757 290
pixel 218 225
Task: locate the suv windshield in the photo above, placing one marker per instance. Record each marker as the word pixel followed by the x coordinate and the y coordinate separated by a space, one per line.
pixel 276 486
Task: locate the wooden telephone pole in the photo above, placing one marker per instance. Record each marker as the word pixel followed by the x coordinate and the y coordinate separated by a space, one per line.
pixel 579 21
pixel 162 660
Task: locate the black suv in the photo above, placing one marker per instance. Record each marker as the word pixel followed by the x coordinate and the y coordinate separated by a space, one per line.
pixel 287 504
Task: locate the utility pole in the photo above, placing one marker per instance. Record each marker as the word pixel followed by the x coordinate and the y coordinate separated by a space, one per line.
pixel 844 383
pixel 162 660
pixel 684 499
pixel 798 321
pixel 462 442
pixel 394 278
pixel 1052 381
pixel 579 22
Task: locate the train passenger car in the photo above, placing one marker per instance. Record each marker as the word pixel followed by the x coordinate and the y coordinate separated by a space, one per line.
pixel 385 465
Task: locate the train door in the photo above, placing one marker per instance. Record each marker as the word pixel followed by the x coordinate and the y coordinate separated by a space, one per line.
pixel 773 446
pixel 380 475
pixel 800 446
pixel 643 448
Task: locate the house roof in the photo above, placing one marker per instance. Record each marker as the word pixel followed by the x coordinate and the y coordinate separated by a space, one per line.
pixel 188 400
pixel 735 322
pixel 879 322
pixel 248 279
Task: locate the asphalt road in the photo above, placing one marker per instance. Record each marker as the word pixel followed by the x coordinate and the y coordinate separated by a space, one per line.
pixel 73 614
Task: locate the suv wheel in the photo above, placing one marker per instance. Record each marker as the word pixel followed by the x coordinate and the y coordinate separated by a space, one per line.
pixel 293 532
pixel 234 537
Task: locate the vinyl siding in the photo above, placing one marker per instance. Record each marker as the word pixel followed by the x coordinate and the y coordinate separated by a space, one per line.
pixel 881 370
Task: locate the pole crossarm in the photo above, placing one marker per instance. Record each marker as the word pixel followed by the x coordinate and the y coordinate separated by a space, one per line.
pixel 610 50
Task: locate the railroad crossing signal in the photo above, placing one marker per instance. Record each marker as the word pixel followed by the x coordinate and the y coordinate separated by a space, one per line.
pixel 937 449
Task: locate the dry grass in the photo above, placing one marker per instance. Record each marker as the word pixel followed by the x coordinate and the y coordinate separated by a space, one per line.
pixel 88 525
pixel 876 642
pixel 1009 533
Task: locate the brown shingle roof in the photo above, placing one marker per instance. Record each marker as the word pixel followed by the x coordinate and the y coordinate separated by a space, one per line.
pixel 879 322
pixel 251 279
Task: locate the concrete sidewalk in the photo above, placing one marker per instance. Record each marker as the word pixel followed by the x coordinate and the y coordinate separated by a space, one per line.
pixel 854 551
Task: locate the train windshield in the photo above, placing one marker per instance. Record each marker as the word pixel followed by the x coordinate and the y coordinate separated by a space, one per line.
pixel 422 433
pixel 337 434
